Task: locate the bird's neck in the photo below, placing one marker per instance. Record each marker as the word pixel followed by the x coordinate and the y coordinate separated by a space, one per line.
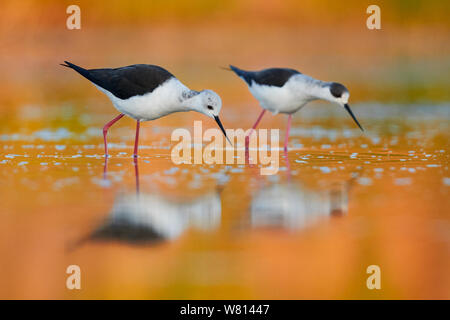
pixel 316 89
pixel 322 90
pixel 190 100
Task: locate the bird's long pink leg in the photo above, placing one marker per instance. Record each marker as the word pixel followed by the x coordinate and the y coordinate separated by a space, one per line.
pixel 136 140
pixel 256 123
pixel 286 139
pixel 105 131
pixel 247 138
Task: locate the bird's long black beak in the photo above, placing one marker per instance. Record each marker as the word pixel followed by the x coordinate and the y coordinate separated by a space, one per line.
pixel 347 107
pixel 221 128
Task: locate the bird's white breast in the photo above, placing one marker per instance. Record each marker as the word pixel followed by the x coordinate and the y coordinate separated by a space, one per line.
pixel 289 98
pixel 162 101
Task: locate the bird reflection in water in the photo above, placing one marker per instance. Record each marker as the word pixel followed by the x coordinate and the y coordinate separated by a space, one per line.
pixel 292 205
pixel 150 218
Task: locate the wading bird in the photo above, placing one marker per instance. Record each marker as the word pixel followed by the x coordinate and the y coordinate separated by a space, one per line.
pixel 148 92
pixel 282 90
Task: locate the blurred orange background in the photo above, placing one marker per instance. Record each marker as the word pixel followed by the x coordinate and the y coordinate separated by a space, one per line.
pixel 407 60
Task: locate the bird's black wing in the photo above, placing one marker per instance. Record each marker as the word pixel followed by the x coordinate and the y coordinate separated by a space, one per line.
pixel 125 82
pixel 271 77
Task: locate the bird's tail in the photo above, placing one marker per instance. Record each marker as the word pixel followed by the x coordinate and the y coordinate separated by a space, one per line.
pixel 245 75
pixel 236 70
pixel 85 73
pixel 239 72
pixel 78 69
pixel 69 65
pixel 65 64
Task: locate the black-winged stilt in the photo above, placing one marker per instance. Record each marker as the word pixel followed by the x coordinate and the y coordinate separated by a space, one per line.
pixel 282 90
pixel 148 92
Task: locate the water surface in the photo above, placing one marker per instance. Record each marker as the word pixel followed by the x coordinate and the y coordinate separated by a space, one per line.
pixel 340 202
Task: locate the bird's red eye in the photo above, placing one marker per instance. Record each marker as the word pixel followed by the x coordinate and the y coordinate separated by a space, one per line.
pixel 210 108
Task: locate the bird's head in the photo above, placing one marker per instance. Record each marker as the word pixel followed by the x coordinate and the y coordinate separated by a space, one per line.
pixel 209 103
pixel 340 95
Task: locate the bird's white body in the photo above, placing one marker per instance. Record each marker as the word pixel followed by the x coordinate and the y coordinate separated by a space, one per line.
pixel 292 96
pixel 166 99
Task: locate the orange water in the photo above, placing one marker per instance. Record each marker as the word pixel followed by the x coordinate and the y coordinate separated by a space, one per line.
pixel 341 201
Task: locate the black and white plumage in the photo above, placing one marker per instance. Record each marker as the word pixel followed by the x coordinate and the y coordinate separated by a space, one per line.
pixel 126 82
pixel 147 92
pixel 275 77
pixel 282 90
